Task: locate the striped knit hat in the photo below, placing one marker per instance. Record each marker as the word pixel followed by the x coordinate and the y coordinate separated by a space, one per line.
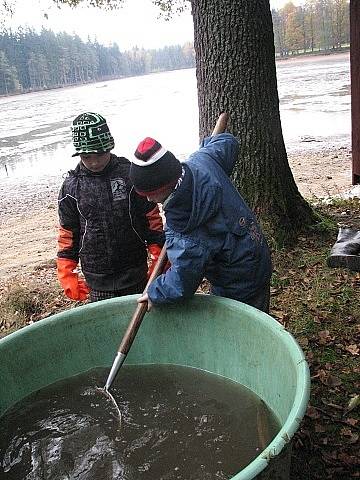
pixel 153 168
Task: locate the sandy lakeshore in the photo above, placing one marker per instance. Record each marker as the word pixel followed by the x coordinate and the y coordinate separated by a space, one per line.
pixel 29 205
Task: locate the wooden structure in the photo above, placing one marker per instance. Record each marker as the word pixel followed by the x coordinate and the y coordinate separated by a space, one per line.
pixel 355 87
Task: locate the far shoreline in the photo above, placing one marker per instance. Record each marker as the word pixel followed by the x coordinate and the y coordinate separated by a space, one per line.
pixel 103 80
pixel 316 56
pixel 301 57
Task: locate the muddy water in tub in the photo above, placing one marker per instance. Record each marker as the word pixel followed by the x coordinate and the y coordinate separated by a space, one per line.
pixel 177 423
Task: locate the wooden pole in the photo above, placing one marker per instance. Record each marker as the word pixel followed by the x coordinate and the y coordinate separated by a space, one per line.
pixel 141 309
pixel 221 124
pixel 355 87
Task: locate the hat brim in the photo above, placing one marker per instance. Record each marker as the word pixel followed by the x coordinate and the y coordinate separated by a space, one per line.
pixel 77 154
pixel 171 185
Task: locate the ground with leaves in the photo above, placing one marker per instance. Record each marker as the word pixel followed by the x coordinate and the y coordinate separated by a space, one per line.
pixel 319 305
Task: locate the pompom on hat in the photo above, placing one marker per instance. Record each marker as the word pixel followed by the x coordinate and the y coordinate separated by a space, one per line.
pixel 153 168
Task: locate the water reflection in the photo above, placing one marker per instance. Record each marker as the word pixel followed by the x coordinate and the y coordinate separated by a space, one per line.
pixel 35 128
pixel 315 100
pixel 54 159
pixel 178 423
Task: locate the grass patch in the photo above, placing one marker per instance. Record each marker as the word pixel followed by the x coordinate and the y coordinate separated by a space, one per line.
pixel 30 297
pixel 325 225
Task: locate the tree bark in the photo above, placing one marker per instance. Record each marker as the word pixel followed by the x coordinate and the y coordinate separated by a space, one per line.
pixel 355 87
pixel 235 68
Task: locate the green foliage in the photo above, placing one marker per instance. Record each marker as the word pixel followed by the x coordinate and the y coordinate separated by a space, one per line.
pixel 278 281
pixel 328 355
pixel 106 4
pixel 167 7
pixel 48 60
pixel 344 203
pixel 304 325
pixel 316 25
pixel 325 224
pixel 9 81
pixel 170 7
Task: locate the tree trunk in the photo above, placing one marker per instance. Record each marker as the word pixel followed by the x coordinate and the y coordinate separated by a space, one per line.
pixel 355 88
pixel 235 68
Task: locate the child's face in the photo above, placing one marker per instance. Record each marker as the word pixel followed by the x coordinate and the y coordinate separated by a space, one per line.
pixel 159 197
pixel 95 162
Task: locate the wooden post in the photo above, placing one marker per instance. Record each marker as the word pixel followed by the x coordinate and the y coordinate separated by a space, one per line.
pixel 355 87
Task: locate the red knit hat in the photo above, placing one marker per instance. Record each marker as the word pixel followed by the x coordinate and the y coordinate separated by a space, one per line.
pixel 153 168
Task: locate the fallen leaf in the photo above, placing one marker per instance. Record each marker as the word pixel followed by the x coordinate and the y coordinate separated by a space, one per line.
pixel 325 337
pixel 346 432
pixel 354 438
pixel 333 381
pixel 312 412
pixel 310 356
pixel 319 428
pixel 330 457
pixel 354 402
pixel 303 341
pixel 353 349
pixel 348 459
pixel 329 380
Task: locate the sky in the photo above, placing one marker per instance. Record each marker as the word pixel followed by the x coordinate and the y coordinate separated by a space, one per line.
pixel 135 24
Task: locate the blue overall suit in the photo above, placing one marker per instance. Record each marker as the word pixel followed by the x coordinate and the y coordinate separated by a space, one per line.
pixel 211 232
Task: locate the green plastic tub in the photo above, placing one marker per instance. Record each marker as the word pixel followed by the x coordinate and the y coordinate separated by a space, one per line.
pixel 212 333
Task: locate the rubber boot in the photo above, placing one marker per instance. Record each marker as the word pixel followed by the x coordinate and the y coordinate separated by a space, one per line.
pixel 346 250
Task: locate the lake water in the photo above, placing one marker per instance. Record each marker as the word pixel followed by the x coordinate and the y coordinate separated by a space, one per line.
pixel 35 134
pixel 176 423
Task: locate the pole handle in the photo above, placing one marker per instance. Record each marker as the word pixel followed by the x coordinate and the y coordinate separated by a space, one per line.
pixel 141 309
pixel 221 124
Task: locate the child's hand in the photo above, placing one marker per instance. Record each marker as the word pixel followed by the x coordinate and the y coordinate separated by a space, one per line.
pixel 145 298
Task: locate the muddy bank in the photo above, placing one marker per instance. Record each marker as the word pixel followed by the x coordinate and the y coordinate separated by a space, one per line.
pixel 28 223
pixel 21 197
pixel 322 173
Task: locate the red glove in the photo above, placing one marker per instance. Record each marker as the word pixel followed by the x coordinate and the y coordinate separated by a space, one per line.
pixel 154 252
pixel 74 286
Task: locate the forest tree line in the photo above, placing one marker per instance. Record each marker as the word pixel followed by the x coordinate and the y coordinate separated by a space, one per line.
pixel 314 26
pixel 32 61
